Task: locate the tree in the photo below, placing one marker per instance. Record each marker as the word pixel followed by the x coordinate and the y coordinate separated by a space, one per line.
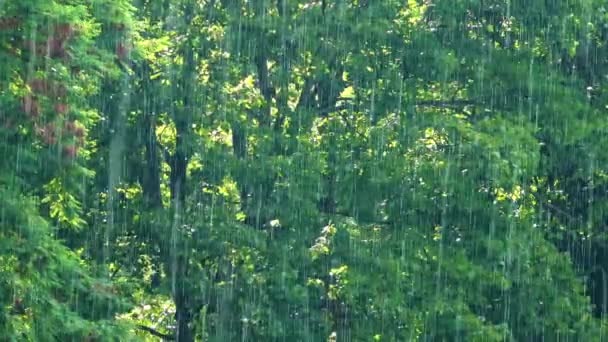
pixel 49 290
pixel 306 170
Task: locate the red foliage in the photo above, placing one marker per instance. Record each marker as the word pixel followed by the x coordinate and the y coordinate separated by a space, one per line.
pixel 42 49
pixel 56 47
pixel 30 106
pixel 79 132
pixel 9 23
pixel 61 108
pixel 56 43
pixel 43 87
pixel 59 90
pixel 39 86
pixel 64 31
pixel 122 51
pixel 118 26
pixel 76 129
pixel 48 133
pixel 69 126
pixel 70 151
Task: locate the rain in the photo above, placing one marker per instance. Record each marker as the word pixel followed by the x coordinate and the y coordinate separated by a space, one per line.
pixel 298 170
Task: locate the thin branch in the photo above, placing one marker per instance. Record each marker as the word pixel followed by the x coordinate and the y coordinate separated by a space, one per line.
pixel 306 94
pixel 162 131
pixel 282 7
pixel 169 158
pixel 266 88
pixel 115 272
pixel 156 333
pixel 325 111
pixel 544 201
pixel 563 213
pixel 446 104
pixel 328 99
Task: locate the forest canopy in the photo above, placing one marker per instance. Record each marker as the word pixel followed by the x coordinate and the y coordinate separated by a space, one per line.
pixel 296 170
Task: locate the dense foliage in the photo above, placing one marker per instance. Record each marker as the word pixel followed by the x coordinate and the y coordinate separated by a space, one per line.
pixel 291 170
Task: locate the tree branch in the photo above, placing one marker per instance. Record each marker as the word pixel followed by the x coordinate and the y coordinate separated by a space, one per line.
pixel 306 94
pixel 325 111
pixel 266 88
pixel 563 213
pixel 156 332
pixel 115 272
pixel 282 8
pixel 445 104
pixel 169 158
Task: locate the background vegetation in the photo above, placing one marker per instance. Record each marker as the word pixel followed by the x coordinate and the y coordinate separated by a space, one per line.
pixel 290 170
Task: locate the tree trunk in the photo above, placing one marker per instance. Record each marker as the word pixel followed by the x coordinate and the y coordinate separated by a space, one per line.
pixel 183 318
pixel 179 163
pixel 151 172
